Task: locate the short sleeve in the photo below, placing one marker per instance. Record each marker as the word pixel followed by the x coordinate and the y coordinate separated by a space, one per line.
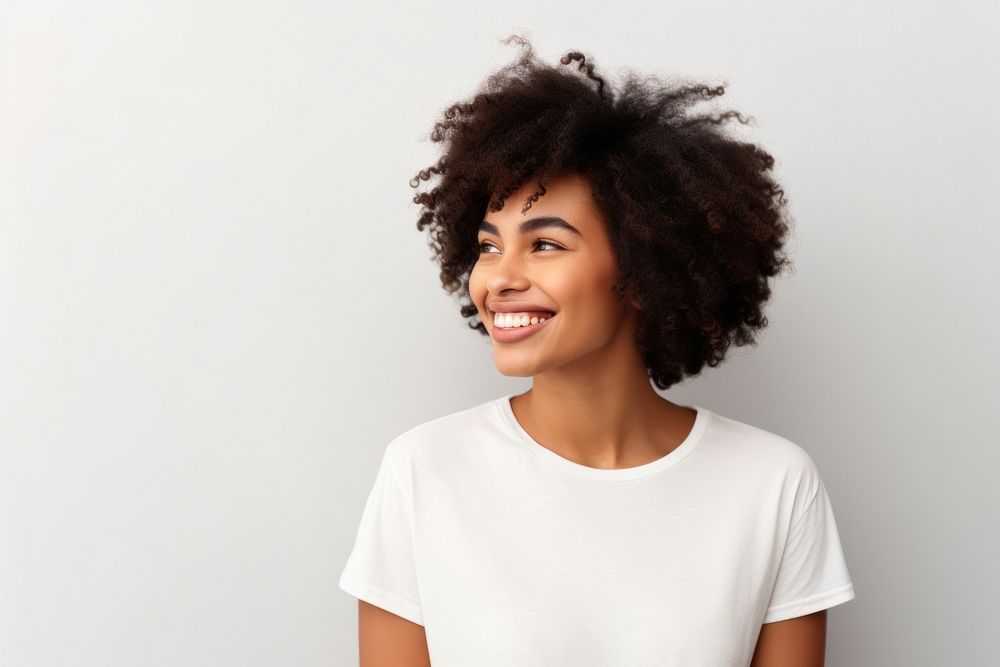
pixel 812 574
pixel 380 569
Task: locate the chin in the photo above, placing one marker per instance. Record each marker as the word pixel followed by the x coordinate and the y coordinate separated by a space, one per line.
pixel 520 369
pixel 516 372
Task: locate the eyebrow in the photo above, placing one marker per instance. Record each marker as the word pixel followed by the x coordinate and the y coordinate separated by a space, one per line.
pixel 533 224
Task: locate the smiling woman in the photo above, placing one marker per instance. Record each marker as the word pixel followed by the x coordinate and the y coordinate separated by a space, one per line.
pixel 604 241
pixel 563 261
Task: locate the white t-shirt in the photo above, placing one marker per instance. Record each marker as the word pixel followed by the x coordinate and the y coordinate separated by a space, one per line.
pixel 510 554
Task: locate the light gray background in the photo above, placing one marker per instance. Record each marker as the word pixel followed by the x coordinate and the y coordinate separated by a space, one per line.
pixel 215 308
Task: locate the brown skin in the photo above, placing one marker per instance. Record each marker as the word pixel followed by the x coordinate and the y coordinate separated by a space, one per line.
pixel 797 642
pixel 591 400
pixel 388 640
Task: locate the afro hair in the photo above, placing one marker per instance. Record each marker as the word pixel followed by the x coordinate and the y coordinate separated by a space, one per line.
pixel 696 222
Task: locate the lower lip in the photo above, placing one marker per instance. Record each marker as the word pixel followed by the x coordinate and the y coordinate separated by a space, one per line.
pixel 502 335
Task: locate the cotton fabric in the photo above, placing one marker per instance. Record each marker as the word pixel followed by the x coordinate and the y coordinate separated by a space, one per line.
pixel 510 554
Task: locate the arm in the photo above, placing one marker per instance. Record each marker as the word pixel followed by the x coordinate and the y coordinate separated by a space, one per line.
pixel 388 640
pixel 795 642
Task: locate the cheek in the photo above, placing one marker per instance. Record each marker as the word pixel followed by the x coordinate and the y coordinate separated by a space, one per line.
pixel 586 285
pixel 477 289
pixel 587 299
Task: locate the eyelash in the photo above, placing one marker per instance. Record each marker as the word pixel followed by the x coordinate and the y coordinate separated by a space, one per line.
pixel 554 245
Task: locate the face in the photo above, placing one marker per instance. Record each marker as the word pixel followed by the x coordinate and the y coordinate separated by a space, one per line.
pixel 554 257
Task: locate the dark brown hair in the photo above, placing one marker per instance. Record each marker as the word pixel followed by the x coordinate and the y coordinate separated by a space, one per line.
pixel 696 222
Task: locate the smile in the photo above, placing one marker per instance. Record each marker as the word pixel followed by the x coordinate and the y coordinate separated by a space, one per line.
pixel 514 334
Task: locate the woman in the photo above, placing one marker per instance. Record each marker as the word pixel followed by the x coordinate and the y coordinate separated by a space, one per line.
pixel 600 241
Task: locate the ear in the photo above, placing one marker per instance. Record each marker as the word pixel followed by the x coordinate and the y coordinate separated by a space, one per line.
pixel 632 298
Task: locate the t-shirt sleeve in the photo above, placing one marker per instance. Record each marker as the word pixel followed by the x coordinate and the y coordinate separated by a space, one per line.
pixel 812 574
pixel 380 569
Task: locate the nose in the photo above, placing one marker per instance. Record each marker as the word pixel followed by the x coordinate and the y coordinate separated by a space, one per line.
pixel 505 273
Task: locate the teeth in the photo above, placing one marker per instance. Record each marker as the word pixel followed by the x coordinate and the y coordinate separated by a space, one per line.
pixel 509 321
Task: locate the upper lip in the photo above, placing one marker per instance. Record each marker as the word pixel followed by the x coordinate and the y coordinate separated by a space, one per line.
pixel 516 307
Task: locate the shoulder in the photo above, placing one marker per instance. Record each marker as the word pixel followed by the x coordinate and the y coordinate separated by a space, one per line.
pixel 741 439
pixel 436 441
pixel 761 456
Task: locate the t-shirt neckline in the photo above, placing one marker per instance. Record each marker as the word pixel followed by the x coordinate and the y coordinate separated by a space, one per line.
pixel 669 460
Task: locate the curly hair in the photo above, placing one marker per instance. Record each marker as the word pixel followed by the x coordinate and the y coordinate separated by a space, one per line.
pixel 696 223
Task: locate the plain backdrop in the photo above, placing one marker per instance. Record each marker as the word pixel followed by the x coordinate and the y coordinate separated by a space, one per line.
pixel 216 310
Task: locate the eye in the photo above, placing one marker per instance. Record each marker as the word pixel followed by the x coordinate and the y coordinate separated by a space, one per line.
pixel 487 244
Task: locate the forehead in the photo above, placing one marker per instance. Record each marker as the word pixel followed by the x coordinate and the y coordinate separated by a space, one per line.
pixel 567 204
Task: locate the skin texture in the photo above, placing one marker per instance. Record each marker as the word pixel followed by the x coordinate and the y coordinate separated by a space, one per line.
pixel 591 399
pixel 388 640
pixel 797 642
